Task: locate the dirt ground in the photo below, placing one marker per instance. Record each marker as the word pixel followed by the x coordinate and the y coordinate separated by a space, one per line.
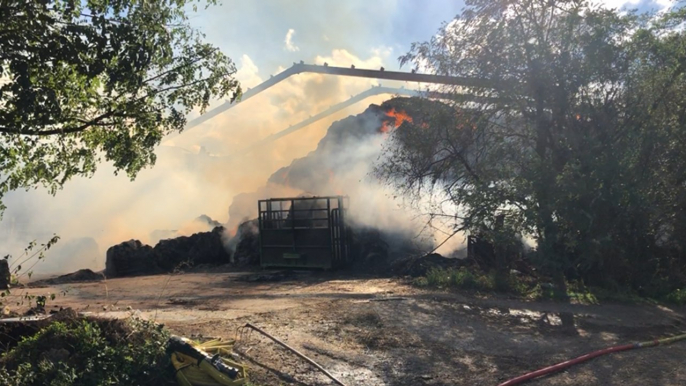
pixel 379 331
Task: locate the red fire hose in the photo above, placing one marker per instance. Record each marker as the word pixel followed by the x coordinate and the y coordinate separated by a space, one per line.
pixel 587 357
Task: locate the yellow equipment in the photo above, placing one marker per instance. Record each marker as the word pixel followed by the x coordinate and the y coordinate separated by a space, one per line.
pixel 195 367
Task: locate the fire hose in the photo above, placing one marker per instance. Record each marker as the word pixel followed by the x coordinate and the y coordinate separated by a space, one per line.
pixel 564 365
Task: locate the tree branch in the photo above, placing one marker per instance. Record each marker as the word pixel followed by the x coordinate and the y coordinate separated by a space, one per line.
pixel 180 66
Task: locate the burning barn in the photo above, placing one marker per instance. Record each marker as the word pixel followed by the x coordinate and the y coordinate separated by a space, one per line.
pixel 303 232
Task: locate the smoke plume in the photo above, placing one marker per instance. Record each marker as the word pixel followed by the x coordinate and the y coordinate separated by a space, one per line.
pixel 199 172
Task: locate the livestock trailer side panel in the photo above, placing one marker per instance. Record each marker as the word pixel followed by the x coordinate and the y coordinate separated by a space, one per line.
pixel 303 232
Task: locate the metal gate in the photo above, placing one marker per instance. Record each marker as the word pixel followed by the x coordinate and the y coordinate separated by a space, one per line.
pixel 303 232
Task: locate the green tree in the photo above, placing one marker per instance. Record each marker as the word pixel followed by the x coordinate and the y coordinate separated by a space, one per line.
pixel 580 146
pixel 85 79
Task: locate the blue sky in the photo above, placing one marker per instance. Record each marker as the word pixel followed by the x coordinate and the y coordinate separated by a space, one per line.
pixel 258 29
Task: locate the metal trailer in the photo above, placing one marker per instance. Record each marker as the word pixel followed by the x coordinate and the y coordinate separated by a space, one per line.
pixel 303 232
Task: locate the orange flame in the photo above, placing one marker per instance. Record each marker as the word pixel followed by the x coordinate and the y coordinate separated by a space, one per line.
pixel 398 117
pixel 233 231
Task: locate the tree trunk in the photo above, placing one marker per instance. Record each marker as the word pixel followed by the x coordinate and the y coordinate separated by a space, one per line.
pixel 560 290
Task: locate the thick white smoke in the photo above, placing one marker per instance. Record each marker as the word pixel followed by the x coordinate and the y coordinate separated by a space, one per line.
pixel 192 176
pixel 343 164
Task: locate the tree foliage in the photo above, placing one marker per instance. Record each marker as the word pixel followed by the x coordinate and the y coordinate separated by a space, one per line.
pixel 83 80
pixel 581 144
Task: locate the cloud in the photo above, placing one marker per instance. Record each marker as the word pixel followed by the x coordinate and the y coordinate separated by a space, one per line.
pixel 290 46
pixel 247 73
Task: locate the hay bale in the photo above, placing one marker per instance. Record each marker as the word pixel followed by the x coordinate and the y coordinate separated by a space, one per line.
pixel 246 244
pixel 130 258
pixel 78 276
pixel 134 258
pixel 200 248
